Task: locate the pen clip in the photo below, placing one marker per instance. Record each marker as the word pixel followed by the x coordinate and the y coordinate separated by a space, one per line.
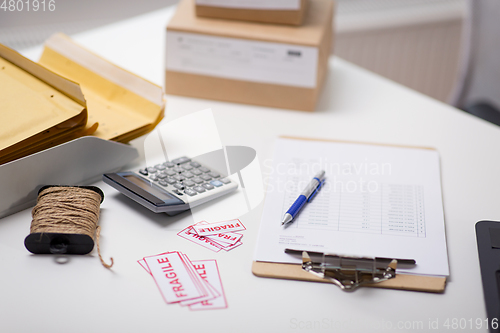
pixel 315 191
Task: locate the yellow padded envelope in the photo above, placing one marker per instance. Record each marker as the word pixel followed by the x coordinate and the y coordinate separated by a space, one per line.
pixel 41 107
pixel 125 105
pixel 38 107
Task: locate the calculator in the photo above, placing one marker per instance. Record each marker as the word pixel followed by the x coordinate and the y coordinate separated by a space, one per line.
pixel 173 186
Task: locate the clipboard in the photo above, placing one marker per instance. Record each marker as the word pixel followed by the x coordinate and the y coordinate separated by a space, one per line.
pixel 434 284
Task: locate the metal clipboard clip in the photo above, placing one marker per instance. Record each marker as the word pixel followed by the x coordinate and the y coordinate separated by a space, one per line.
pixel 349 272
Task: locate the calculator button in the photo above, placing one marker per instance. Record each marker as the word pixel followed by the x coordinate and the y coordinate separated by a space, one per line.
pixel 190 192
pixel 177 192
pixel 225 180
pixel 216 183
pixel 151 169
pixel 187 174
pixel 169 164
pixel 187 167
pixel 170 172
pixel 179 177
pixel 205 177
pixel 197 180
pixel 195 164
pixel 144 172
pixel 159 167
pixel 196 172
pixel 179 186
pixel 181 160
pixel 189 183
pixel 171 181
pixel 199 189
pixel 153 177
pixel 208 186
pixel 213 174
pixel 161 175
pixel 204 169
pixel 163 182
pixel 178 169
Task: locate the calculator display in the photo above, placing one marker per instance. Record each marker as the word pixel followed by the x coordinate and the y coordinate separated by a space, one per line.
pixel 148 187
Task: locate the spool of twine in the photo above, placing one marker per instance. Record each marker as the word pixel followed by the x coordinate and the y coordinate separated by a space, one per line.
pixel 68 210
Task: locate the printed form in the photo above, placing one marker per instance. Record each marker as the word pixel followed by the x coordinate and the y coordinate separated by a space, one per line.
pixel 377 201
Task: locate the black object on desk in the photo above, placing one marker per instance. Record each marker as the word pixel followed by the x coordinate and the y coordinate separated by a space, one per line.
pixel 488 247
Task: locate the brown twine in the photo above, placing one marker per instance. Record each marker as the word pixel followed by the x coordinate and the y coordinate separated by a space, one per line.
pixel 68 210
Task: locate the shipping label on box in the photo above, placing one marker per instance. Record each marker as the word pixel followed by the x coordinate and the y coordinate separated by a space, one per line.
pixel 246 60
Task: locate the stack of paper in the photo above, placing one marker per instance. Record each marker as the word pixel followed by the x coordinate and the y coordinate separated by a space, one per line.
pixel 377 201
pixel 195 284
pixel 69 94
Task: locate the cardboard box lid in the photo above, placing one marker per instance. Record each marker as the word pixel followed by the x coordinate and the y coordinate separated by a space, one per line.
pixel 318 19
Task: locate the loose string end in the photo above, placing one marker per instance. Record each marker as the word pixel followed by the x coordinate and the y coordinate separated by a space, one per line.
pixel 98 234
pixel 108 266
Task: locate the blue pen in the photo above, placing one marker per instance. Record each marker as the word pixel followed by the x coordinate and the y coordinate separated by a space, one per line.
pixel 306 196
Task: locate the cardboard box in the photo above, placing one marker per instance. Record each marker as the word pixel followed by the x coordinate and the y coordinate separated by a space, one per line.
pixel 253 63
pixel 266 11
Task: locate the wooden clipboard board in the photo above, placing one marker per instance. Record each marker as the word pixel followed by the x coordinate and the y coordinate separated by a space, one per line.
pixel 424 283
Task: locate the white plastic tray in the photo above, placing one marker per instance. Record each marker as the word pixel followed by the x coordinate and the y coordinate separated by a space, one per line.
pixel 76 162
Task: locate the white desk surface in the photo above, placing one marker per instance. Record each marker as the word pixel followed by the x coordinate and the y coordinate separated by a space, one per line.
pixel 38 295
